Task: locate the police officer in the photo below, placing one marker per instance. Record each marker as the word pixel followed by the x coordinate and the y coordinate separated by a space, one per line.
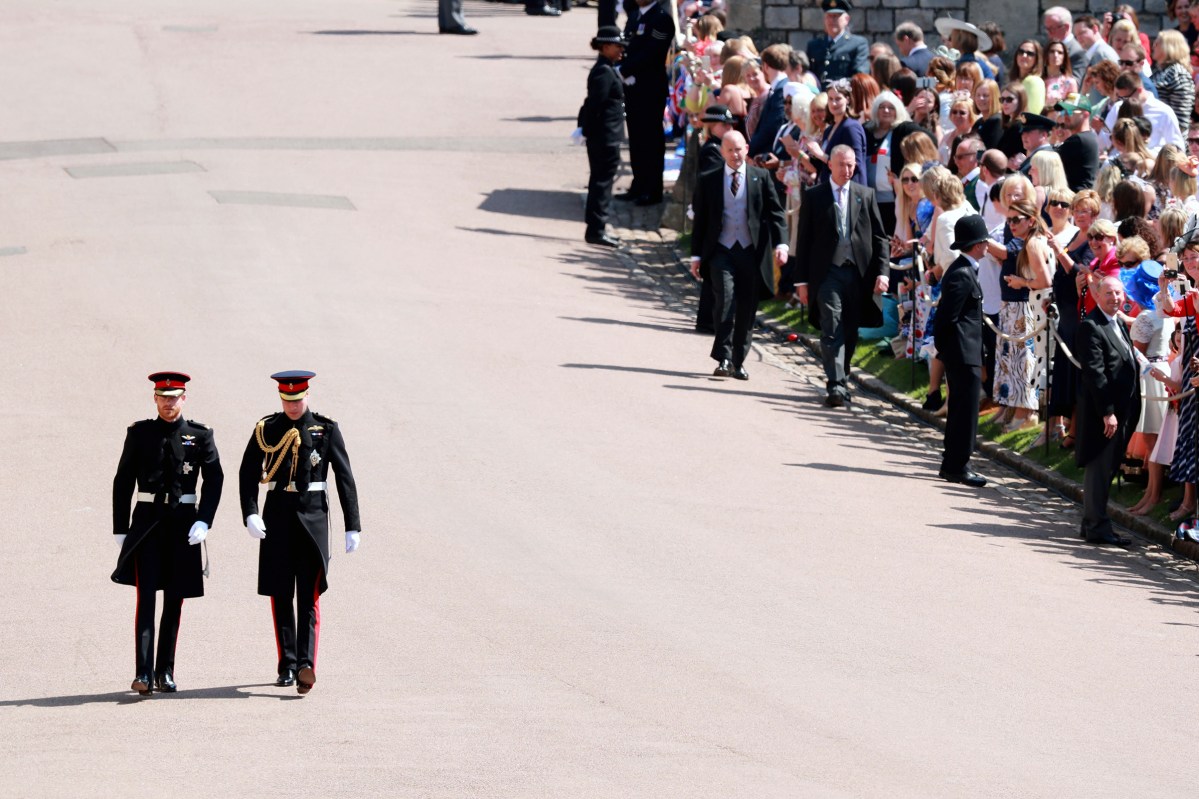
pixel 602 121
pixel 163 461
pixel 650 32
pixel 837 53
pixel 290 453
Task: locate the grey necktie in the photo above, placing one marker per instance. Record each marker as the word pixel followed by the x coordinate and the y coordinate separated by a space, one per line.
pixel 842 216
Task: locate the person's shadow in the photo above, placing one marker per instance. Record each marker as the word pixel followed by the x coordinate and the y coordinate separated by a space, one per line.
pixel 129 698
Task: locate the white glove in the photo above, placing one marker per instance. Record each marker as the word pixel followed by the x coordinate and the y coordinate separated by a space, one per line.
pixel 630 80
pixel 353 539
pixel 198 533
pixel 120 537
pixel 577 137
pixel 255 527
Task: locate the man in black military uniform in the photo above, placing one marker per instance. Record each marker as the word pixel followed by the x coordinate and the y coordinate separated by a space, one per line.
pixel 837 53
pixel 163 461
pixel 291 452
pixel 649 33
pixel 602 120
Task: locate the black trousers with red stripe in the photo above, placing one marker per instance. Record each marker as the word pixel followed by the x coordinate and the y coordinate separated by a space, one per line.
pixel 297 631
pixel 168 632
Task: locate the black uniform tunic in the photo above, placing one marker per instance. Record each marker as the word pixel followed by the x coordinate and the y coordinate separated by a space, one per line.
pixel 165 459
pixel 650 33
pixel 297 523
pixel 602 121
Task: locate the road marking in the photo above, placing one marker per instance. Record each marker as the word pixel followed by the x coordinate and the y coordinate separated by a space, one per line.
pixel 133 170
pixel 283 200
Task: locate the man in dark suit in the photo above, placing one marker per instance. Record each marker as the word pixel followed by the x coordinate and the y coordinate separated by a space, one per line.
pixel 958 335
pixel 739 224
pixel 1109 406
pixel 775 60
pixel 913 52
pixel 1080 151
pixel 845 264
pixel 649 34
pixel 291 453
pixel 837 53
pixel 718 120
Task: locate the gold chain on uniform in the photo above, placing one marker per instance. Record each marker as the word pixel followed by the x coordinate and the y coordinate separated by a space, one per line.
pixel 271 465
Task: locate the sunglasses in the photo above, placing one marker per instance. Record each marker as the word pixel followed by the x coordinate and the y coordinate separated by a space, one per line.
pixel 1125 63
pixel 1124 96
pixel 1015 220
pixel 1029 53
pixel 1058 204
pixel 1129 264
pixel 1097 237
pixel 957 113
pixel 909 180
pixel 1007 99
pixel 1193 139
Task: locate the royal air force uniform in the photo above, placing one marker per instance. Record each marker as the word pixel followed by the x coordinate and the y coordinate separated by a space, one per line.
pixel 172 471
pixel 843 57
pixel 292 459
pixel 649 33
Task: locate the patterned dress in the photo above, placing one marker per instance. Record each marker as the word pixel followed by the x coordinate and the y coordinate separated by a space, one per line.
pixel 1016 370
pixel 1183 466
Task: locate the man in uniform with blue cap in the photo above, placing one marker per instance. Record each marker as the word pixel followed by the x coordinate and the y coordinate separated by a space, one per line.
pixel 290 453
pixel 163 461
pixel 837 53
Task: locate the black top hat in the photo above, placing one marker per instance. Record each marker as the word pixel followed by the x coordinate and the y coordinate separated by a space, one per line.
pixel 1038 122
pixel 968 231
pixel 839 6
pixel 718 113
pixel 608 34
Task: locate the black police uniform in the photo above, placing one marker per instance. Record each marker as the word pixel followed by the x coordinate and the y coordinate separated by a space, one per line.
pixel 293 559
pixel 163 461
pixel 649 33
pixel 602 121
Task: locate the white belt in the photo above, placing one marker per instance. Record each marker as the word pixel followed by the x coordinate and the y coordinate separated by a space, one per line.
pixel 311 486
pixel 144 496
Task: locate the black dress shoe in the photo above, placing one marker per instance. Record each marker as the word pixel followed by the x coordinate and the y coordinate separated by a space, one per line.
pixel 461 31
pixel 602 239
pixel 646 199
pixel 287 678
pixel 723 370
pixel 740 373
pixel 305 679
pixel 933 402
pixel 164 683
pixel 965 478
pixel 544 11
pixel 142 684
pixel 834 401
pixel 625 197
pixel 1109 539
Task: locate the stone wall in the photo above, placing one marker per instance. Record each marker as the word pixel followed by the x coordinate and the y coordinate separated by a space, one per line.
pixel 797 21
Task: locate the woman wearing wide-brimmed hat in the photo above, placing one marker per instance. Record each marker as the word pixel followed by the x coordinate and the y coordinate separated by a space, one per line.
pixel 602 122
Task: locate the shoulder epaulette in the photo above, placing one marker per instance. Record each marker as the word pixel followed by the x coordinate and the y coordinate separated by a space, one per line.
pixel 198 425
pixel 324 418
pixel 140 422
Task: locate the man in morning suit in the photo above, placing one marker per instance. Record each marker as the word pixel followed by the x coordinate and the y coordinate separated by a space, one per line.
pixel 958 335
pixel 291 452
pixel 163 460
pixel 844 264
pixel 718 120
pixel 1109 405
pixel 837 53
pixel 649 34
pixel 739 223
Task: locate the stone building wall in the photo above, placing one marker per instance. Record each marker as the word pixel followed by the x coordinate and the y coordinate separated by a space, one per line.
pixel 797 21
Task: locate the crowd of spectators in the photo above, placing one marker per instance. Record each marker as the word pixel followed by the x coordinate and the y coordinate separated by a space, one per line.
pixel 1079 148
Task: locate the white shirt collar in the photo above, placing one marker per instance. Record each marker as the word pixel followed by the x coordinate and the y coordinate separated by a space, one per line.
pixel 728 171
pixel 1111 318
pixel 971 175
pixel 973 261
pixel 918 46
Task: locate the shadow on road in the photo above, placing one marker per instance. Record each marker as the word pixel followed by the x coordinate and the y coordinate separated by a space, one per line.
pixel 537 203
pixel 624 323
pixel 129 698
pixel 539 119
pixel 491 231
pixel 372 33
pixel 636 369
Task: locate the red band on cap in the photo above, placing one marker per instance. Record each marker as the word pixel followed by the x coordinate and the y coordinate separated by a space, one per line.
pixel 170 384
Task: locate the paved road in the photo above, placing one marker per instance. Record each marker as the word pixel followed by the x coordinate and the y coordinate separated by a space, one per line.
pixel 588 569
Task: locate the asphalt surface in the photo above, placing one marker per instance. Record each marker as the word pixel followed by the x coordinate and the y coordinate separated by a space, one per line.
pixel 588 568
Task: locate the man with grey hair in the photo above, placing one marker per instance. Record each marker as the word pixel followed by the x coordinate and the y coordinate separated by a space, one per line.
pixel 913 52
pixel 1059 26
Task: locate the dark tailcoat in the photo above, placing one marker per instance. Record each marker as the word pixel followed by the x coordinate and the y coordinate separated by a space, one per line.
pixel 817 240
pixel 1080 157
pixel 766 218
pixel 166 459
pixel 1109 384
pixel 319 437
pixel 843 58
pixel 710 158
pixel 958 334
